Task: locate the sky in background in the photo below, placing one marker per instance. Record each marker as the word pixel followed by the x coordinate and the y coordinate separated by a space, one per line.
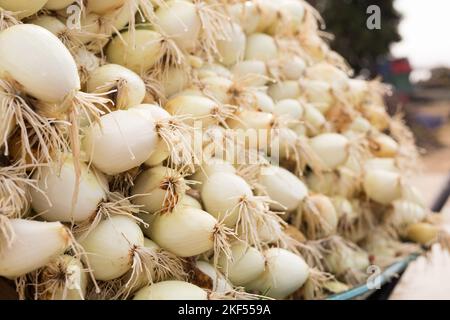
pixel 425 31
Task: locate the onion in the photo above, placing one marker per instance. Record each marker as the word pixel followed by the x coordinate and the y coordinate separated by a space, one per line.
pixel 225 205
pixel 318 93
pixel 422 233
pixel 214 70
pixel 130 89
pixel 387 164
pixel 210 167
pixel 25 8
pixel 159 189
pixel 104 6
pixel 246 264
pixel 292 13
pixel 382 186
pixel 264 103
pixel 260 47
pixel 383 146
pixel 64 278
pixel 171 290
pixel 246 15
pixel 317 217
pixel 285 273
pixel 254 71
pixel 174 81
pixel 199 109
pixel 187 232
pixel 284 90
pixel 292 67
pixel 404 213
pixel 49 75
pixel 64 197
pixel 190 202
pixel 346 260
pixel 332 148
pixel 179 20
pixel 121 141
pixel 232 50
pixel 290 108
pixel 35 244
pixel 216 281
pixel 57 4
pixel 314 119
pixel 283 187
pixel 174 137
pixel 145 53
pixel 329 73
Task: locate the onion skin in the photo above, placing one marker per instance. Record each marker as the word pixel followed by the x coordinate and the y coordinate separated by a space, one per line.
pixel 36 244
pixel 171 290
pixel 52 64
pixel 59 188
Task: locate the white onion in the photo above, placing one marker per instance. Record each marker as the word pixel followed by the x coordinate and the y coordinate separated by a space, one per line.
pixel 180 21
pixel 130 87
pixel 224 204
pixel 141 56
pixel 260 47
pixel 210 167
pixel 329 73
pixel 57 4
pixel 382 186
pixel 284 90
pixel 171 290
pixel 174 81
pixel 220 283
pixel 332 148
pixel 35 244
pixel 110 246
pixel 285 273
pixel 24 8
pixel 383 146
pixel 318 93
pixel 254 72
pixel 121 141
pixel 186 231
pixel 246 14
pixel 54 200
pixel 232 50
pixel 64 278
pixel 246 264
pixel 264 103
pixel 292 67
pixel 158 190
pixel 104 6
pixel 283 187
pixel 49 74
pixel 314 119
pixel 290 108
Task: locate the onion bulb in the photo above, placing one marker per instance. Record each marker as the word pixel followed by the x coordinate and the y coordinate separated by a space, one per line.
pixel 253 71
pixel 140 57
pixel 284 90
pixel 208 277
pixel 260 47
pixel 159 190
pixel 232 50
pixel 129 87
pixel 332 148
pixel 35 244
pixel 246 264
pixel 171 290
pixel 188 231
pixel 210 167
pixel 54 200
pixel 285 273
pixel 317 217
pixel 64 278
pixel 283 187
pixel 382 186
pixel 24 8
pixel 121 141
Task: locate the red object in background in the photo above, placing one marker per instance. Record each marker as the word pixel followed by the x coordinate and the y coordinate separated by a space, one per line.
pixel 400 66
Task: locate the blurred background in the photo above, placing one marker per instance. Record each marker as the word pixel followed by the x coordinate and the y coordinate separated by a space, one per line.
pixel 411 51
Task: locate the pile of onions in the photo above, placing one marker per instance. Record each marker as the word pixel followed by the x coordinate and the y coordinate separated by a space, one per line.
pixel 184 149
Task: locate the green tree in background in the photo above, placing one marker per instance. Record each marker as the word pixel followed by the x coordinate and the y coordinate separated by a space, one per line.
pixel 346 20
